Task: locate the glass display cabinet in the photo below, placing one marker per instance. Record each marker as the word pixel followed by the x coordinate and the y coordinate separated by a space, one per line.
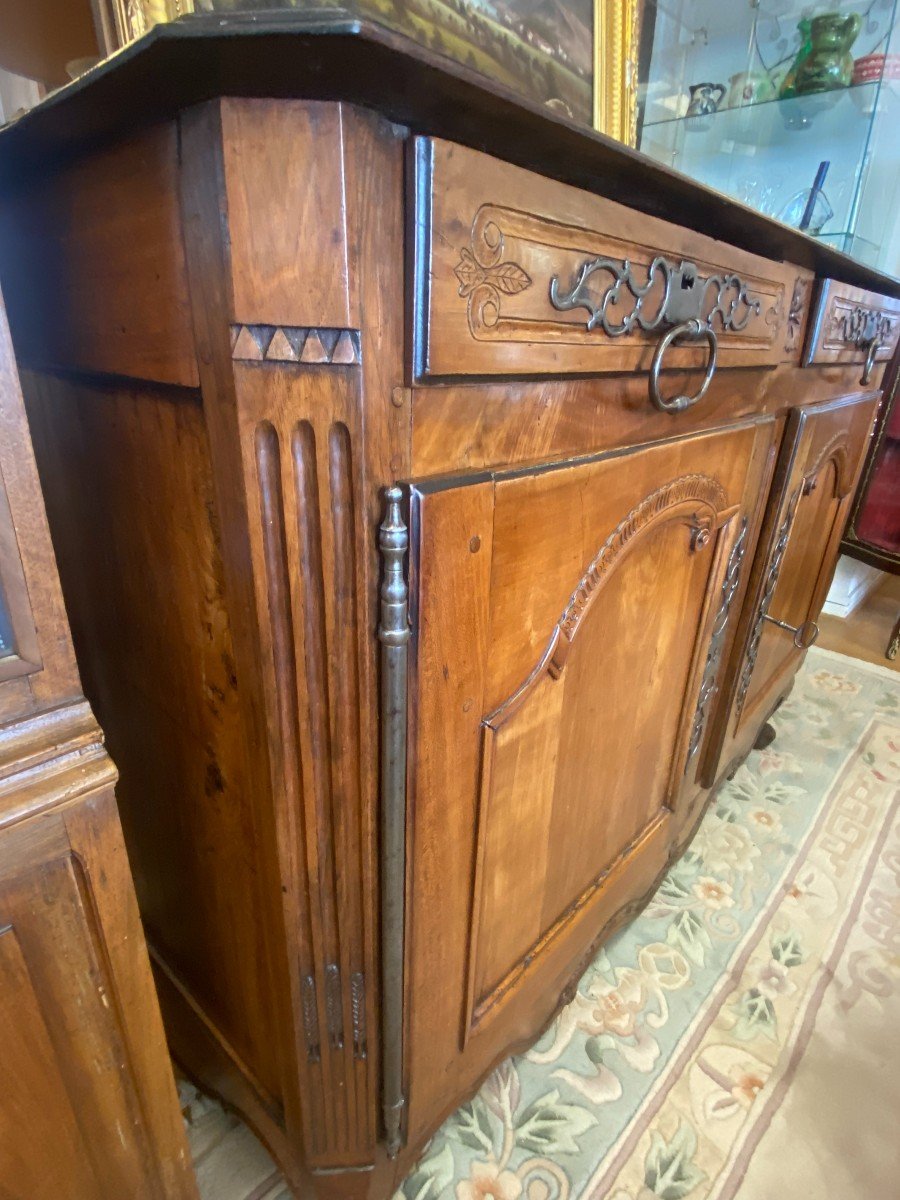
pixel 753 97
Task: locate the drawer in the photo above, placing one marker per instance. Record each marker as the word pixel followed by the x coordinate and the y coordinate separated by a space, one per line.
pixel 851 325
pixel 516 274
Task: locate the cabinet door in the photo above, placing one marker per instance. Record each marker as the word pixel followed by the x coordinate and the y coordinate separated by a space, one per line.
pixel 84 1079
pixel 821 458
pixel 563 620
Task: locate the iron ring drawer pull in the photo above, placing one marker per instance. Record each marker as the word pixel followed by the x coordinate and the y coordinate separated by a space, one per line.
pixel 694 331
pixel 805 635
pixel 873 348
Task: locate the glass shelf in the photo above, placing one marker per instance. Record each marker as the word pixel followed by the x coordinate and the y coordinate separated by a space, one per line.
pixel 763 154
pixel 797 113
pixel 766 153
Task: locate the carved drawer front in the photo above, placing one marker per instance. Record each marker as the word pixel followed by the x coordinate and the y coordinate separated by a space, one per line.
pixel 852 325
pixel 517 274
pixel 821 457
pixel 565 622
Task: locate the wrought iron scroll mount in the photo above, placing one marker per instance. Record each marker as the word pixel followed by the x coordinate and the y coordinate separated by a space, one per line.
pixel 869 328
pixel 673 298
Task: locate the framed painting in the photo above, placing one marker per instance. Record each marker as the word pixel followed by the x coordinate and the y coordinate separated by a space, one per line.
pixel 577 57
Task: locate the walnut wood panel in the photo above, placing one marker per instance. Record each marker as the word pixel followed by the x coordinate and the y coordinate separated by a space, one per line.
pixel 467 427
pixel 89 1106
pixel 295 269
pixel 490 263
pixel 159 664
pixel 72 294
pixel 820 461
pixel 548 653
pixel 844 320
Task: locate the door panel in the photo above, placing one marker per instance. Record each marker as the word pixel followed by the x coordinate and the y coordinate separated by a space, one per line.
pixel 36 1109
pixel 820 461
pixel 72 1069
pixel 563 621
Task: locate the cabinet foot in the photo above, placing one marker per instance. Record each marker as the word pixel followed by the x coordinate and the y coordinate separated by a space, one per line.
pixel 765 737
pixel 893 646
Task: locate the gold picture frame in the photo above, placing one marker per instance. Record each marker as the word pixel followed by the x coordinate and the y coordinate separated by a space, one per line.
pixel 616 37
pixel 617 29
pixel 119 22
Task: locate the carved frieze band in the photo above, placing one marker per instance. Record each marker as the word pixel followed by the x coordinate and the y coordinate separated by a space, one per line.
pixel 709 685
pixel 771 582
pixel 506 301
pixel 290 343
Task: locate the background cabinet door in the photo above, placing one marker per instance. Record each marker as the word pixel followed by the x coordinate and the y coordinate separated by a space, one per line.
pixel 563 619
pixel 821 458
pixel 84 1079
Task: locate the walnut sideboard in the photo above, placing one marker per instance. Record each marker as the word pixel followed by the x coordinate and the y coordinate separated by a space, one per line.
pixel 444 498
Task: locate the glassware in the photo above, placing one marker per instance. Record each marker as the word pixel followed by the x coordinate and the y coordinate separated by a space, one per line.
pixel 829 63
pixel 793 212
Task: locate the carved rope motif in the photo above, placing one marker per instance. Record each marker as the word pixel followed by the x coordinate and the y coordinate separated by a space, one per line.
pixel 772 574
pixel 692 493
pixel 709 685
pixel 702 489
pixel 684 296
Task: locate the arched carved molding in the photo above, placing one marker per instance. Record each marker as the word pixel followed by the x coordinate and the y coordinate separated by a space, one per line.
pixel 838 451
pixel 699 501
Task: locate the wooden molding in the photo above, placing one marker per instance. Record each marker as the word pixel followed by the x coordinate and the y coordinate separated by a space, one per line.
pixel 288 343
pixel 680 498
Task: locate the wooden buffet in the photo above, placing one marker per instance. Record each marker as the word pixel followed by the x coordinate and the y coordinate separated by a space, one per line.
pixel 444 498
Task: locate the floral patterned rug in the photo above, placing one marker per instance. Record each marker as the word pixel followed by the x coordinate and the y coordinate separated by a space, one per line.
pixel 742 1037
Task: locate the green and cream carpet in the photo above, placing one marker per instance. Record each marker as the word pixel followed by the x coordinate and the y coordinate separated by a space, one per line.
pixel 740 1039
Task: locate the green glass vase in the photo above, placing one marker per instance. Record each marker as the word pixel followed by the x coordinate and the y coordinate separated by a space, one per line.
pixel 829 63
pixel 789 84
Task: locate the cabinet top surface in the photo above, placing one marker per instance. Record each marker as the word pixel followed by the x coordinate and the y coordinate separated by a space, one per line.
pixel 330 55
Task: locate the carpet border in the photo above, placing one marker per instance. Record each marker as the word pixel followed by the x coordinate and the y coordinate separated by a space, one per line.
pixel 860 663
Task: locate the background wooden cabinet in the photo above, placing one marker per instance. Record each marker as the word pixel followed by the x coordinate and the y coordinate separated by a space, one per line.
pixel 85 1082
pixel 88 1109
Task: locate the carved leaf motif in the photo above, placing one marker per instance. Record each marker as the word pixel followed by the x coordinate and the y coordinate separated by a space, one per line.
pixel 509 278
pixel 468 272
